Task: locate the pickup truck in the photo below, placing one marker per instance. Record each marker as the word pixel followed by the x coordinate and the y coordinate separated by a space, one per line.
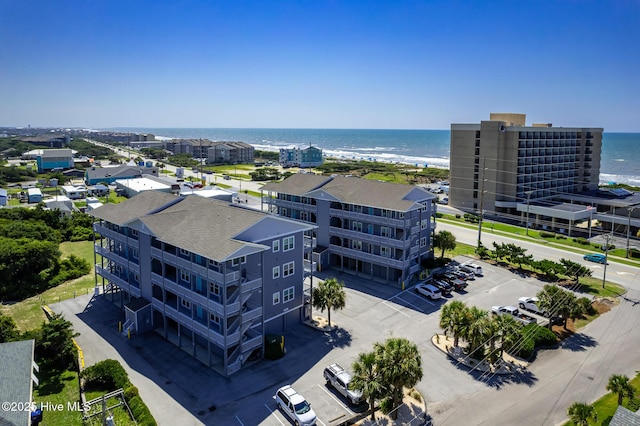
pixel 531 304
pixel 515 313
pixel 339 379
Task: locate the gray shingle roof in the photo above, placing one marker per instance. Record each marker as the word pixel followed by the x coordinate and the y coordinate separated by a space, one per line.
pixel 203 226
pixel 298 184
pixel 352 190
pixel 133 208
pixel 625 417
pixel 15 379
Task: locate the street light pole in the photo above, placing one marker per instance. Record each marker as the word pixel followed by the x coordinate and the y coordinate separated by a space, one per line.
pixel 528 197
pixel 481 205
pixel 606 256
pixel 631 208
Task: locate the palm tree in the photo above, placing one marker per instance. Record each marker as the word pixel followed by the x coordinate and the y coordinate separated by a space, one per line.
pixel 508 330
pixel 366 378
pixel 620 384
pixel 452 319
pixel 444 240
pixel 329 295
pixel 581 412
pixel 476 331
pixel 400 366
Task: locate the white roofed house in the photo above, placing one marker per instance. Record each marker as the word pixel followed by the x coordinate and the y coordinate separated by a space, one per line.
pixel 206 275
pixel 374 229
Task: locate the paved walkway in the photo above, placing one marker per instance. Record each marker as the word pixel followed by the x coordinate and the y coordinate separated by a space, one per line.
pixel 96 320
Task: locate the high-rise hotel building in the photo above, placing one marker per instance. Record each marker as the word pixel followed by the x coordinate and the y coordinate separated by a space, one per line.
pixel 500 163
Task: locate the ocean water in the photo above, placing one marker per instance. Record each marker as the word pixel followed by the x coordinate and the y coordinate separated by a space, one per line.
pixel 416 147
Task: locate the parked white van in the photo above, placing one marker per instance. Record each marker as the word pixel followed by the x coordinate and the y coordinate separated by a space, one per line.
pixel 473 268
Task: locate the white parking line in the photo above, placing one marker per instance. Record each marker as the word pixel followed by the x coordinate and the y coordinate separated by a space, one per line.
pixel 393 307
pixel 239 421
pixel 334 398
pixel 274 414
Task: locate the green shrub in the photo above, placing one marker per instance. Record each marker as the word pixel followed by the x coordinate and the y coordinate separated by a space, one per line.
pixel 141 412
pixel 130 392
pixel 541 336
pixel 545 234
pixel 634 405
pixel 439 215
pixel 458 215
pixel 561 237
pixel 526 348
pixel 108 375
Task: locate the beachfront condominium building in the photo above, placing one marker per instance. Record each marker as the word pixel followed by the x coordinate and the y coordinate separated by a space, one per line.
pixel 378 230
pixel 300 157
pixel 218 152
pixel 502 164
pixel 208 276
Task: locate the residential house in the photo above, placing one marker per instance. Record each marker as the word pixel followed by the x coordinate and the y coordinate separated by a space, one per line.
pixel 34 195
pixel 74 192
pixel 54 159
pixel 374 229
pixel 110 174
pixel 209 276
pixel 16 381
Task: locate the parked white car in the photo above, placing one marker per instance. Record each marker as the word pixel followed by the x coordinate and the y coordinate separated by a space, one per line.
pixel 295 406
pixel 429 290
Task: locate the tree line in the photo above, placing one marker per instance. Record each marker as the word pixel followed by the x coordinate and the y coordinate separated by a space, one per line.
pixel 30 258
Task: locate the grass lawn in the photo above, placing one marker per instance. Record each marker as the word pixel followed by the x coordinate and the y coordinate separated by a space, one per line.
pixel 608 404
pixel 58 388
pixel 120 413
pixel 28 313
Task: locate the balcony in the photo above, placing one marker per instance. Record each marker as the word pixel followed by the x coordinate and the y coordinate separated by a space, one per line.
pixel 400 223
pixel 370 257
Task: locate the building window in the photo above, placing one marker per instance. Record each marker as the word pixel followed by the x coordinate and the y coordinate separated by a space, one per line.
pixel 214 288
pixel 184 275
pixel 356 245
pixel 276 298
pixel 356 226
pixel 214 318
pixel 288 243
pixel 385 231
pixel 134 232
pixel 238 260
pixel 275 246
pixel 288 294
pixel 424 223
pixel 385 251
pixel 283 212
pixel 423 242
pixel 134 253
pixel 184 252
pixel 287 269
pixel 276 272
pixel 185 303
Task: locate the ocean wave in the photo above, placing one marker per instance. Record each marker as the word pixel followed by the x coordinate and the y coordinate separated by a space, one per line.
pixel 607 178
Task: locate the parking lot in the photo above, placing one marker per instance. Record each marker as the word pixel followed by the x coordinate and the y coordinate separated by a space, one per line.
pixel 373 313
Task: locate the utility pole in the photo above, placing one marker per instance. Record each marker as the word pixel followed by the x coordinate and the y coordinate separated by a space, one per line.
pixel 607 237
pixel 631 208
pixel 528 197
pixel 481 205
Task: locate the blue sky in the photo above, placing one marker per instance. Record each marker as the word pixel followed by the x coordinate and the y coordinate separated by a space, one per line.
pixel 318 63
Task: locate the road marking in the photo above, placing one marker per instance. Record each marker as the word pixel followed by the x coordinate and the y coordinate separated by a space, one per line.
pixel 334 398
pixel 274 414
pixel 393 307
pixel 416 307
pixel 239 421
